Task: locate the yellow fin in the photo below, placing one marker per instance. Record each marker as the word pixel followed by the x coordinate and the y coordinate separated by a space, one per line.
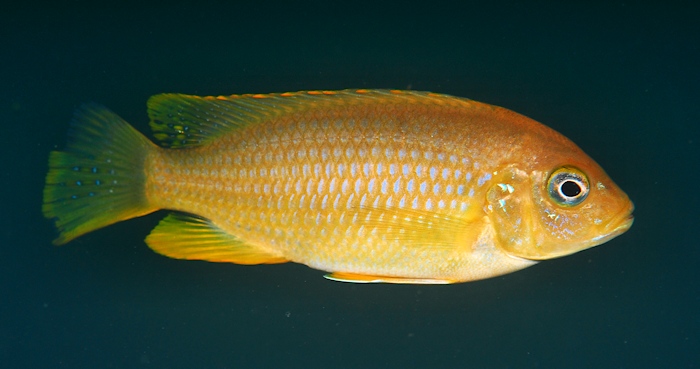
pixel 185 237
pixel 181 120
pixel 98 179
pixel 186 121
pixel 422 228
pixel 361 278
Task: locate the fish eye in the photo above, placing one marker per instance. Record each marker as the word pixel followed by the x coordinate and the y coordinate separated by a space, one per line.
pixel 568 186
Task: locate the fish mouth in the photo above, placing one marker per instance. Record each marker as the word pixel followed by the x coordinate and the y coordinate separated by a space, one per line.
pixel 615 229
pixel 625 221
pixel 617 226
pixel 623 225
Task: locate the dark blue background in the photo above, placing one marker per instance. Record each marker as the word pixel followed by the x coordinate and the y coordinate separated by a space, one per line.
pixel 620 79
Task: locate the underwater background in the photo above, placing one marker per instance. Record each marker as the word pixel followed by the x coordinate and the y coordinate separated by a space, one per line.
pixel 621 79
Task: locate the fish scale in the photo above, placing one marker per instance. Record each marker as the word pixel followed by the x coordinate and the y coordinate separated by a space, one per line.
pixel 328 237
pixel 371 185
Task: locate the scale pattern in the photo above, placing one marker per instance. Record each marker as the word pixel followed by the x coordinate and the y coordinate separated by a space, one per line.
pixel 317 185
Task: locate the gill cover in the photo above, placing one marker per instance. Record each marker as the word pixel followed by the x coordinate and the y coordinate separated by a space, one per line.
pixel 509 206
pixel 540 215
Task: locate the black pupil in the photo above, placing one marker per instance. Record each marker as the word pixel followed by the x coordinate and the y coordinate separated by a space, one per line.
pixel 570 189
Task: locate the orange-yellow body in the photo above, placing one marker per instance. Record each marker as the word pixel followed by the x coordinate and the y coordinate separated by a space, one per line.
pixel 392 186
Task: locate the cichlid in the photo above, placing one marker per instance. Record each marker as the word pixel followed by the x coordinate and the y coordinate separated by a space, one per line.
pixel 369 185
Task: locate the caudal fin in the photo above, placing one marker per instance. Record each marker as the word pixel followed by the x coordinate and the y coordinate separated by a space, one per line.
pixel 99 179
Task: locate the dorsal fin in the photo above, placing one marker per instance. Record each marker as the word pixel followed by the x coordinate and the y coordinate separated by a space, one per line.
pixel 184 120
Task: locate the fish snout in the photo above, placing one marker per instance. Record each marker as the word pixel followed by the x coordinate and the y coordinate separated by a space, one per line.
pixel 621 222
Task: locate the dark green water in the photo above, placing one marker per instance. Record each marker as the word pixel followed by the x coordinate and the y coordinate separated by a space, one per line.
pixel 620 79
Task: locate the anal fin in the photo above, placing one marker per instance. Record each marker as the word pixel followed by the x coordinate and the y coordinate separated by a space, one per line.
pixel 361 278
pixel 185 237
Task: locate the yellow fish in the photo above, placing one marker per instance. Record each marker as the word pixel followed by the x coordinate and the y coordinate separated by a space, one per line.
pixel 369 185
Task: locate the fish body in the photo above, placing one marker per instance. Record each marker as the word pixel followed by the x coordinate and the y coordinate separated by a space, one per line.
pixel 370 185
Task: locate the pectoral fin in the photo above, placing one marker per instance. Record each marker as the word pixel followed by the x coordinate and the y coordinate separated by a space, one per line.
pixel 185 237
pixel 421 228
pixel 361 278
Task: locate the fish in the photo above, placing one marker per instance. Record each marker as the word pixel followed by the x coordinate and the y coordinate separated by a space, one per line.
pixel 370 186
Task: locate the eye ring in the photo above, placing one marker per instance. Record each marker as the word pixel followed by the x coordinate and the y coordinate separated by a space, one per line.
pixel 568 186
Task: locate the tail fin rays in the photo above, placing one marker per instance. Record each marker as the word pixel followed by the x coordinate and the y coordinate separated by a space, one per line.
pixel 99 179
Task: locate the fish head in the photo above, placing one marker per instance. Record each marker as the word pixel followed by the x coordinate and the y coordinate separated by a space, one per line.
pixel 556 208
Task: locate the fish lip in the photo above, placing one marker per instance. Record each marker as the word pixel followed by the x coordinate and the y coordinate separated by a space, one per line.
pixel 625 222
pixel 624 225
pixel 615 229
